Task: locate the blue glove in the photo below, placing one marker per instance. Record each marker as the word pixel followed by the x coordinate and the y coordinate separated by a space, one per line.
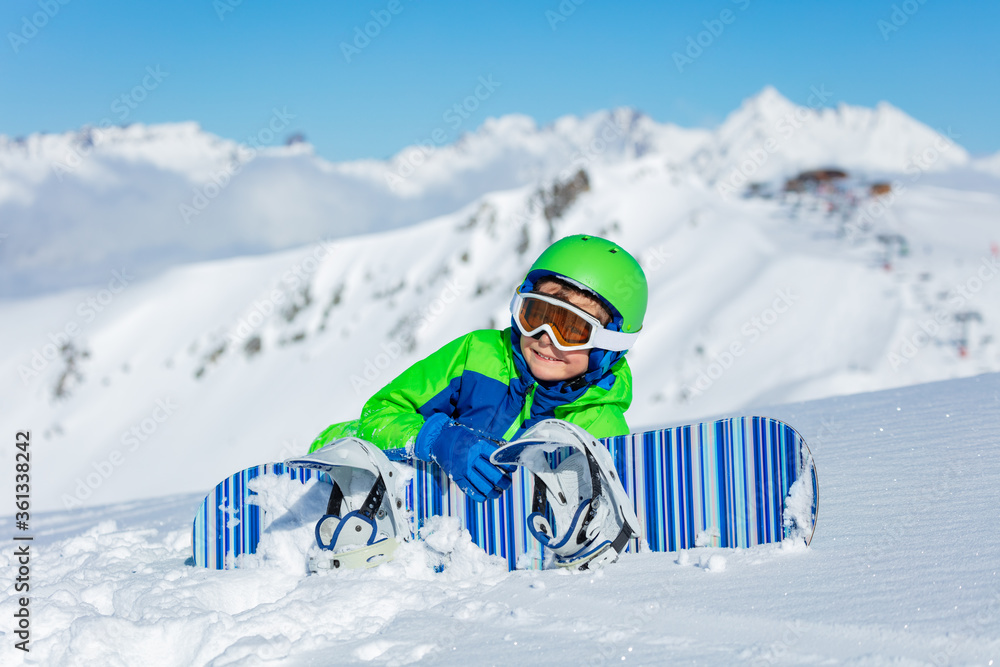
pixel 462 453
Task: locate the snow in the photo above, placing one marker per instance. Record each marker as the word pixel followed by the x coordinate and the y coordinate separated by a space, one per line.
pixel 287 548
pixel 150 360
pixel 902 570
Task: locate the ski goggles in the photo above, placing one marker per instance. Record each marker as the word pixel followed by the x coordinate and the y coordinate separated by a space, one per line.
pixel 569 327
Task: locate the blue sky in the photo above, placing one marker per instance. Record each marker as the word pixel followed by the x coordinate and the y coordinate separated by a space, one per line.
pixel 228 63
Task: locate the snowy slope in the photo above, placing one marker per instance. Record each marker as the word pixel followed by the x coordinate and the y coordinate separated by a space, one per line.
pixel 902 571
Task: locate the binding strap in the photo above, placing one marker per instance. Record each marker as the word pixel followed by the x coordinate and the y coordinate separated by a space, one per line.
pixel 540 504
pixel 336 500
pixel 368 508
pixel 595 485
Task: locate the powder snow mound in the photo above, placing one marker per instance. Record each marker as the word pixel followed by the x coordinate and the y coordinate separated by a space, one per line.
pixel 902 571
pixel 798 511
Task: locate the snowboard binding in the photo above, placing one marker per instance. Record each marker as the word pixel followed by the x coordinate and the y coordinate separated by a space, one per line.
pixel 364 520
pixel 575 482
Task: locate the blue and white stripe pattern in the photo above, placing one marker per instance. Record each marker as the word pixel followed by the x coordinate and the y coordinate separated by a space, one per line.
pixel 712 484
pixel 228 523
pixel 717 484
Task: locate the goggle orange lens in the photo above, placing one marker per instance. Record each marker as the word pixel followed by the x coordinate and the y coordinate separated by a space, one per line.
pixel 569 328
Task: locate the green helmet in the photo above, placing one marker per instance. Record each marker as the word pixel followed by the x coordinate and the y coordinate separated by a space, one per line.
pixel 603 267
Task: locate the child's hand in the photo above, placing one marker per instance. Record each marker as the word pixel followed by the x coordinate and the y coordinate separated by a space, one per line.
pixel 483 480
pixel 464 454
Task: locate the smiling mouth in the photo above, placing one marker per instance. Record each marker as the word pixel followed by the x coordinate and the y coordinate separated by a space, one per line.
pixel 545 358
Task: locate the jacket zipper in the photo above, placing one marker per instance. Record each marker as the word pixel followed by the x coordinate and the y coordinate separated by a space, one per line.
pixel 523 416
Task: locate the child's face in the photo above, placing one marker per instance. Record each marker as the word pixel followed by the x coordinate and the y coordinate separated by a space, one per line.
pixel 546 361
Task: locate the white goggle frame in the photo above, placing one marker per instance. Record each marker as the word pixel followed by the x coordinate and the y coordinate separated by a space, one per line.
pixel 601 338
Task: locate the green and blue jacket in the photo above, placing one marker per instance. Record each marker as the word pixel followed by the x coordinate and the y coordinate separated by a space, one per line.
pixel 482 381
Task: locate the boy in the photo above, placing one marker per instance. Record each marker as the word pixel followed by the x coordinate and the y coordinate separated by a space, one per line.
pixel 578 310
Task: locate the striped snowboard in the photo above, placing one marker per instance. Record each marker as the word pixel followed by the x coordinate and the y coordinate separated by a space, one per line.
pixel 729 483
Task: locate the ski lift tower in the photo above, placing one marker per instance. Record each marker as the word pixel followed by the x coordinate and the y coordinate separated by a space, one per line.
pixel 963 319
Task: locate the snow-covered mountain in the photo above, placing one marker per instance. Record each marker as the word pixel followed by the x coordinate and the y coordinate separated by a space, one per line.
pixel 835 286
pixel 150 197
pixel 769 137
pixel 74 205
